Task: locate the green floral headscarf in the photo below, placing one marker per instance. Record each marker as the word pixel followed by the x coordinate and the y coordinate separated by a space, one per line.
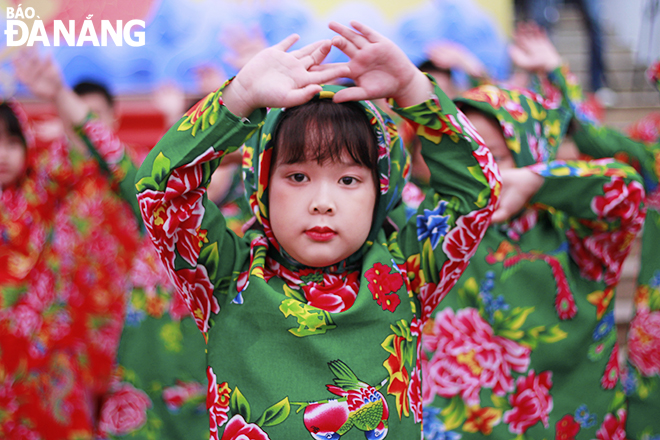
pixel 533 127
pixel 393 166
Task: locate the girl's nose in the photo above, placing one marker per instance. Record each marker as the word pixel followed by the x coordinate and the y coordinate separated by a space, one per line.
pixel 322 202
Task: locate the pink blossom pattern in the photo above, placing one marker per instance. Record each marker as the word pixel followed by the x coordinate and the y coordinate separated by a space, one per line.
pixel 644 342
pixel 468 357
pixel 125 410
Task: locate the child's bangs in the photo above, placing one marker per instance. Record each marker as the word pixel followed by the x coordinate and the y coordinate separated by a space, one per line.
pixel 9 124
pixel 322 131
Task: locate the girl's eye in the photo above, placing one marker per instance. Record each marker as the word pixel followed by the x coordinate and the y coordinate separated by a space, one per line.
pixel 348 180
pixel 297 177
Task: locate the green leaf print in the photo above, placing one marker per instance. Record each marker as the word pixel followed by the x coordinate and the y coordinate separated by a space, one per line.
pixel 454 414
pixel 10 295
pixel 160 168
pixel 295 294
pixel 428 262
pixel 210 257
pixel 311 321
pixel 602 348
pixel 618 402
pixel 276 414
pixel 239 405
pixel 469 295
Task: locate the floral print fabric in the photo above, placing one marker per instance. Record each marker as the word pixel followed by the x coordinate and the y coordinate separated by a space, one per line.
pixel 299 352
pixel 54 336
pixel 525 344
pixel 640 147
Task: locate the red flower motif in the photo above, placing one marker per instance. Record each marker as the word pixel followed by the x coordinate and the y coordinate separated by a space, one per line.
pixel 613 428
pixel 620 201
pixel 383 286
pixel 217 402
pixel 644 342
pixel 176 396
pixel 197 291
pixel 105 141
pixel 237 429
pixel 125 410
pixel 482 419
pixel 566 428
pixel 531 402
pixel 334 294
pixel 462 241
pixel 430 295
pixel 611 376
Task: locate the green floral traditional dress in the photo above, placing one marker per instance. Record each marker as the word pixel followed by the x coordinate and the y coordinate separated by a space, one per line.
pixel 524 345
pixel 328 352
pixel 641 149
pixel 160 391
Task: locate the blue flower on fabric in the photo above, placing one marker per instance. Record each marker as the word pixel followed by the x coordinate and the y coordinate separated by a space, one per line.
pixel 491 304
pixel 432 224
pixel 604 327
pixel 434 429
pixel 134 316
pixel 655 281
pixel 629 382
pixel 584 417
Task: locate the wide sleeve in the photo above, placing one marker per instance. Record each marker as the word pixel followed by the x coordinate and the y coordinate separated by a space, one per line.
pixel 197 249
pixel 601 205
pixel 440 239
pixel 113 159
pixel 597 141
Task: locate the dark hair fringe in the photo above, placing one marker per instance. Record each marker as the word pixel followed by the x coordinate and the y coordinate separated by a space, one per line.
pixel 321 130
pixel 11 122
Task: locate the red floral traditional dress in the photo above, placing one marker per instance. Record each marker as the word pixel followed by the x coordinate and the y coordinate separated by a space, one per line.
pixel 60 277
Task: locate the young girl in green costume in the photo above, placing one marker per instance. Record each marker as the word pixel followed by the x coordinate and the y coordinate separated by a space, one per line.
pixel 524 345
pixel 641 149
pixel 313 318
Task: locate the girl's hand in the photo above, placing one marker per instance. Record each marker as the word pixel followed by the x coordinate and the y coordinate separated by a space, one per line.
pixel 39 74
pixel 532 49
pixel 277 78
pixel 518 186
pixel 43 78
pixel 378 67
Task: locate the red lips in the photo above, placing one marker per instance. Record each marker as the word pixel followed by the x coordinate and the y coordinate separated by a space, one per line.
pixel 319 233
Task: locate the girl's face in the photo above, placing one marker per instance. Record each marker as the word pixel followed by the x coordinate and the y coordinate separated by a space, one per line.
pixel 12 158
pixel 491 132
pixel 321 214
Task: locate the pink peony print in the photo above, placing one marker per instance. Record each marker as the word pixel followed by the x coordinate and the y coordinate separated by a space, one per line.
pixel 125 410
pixel 531 402
pixel 467 357
pixel 644 342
